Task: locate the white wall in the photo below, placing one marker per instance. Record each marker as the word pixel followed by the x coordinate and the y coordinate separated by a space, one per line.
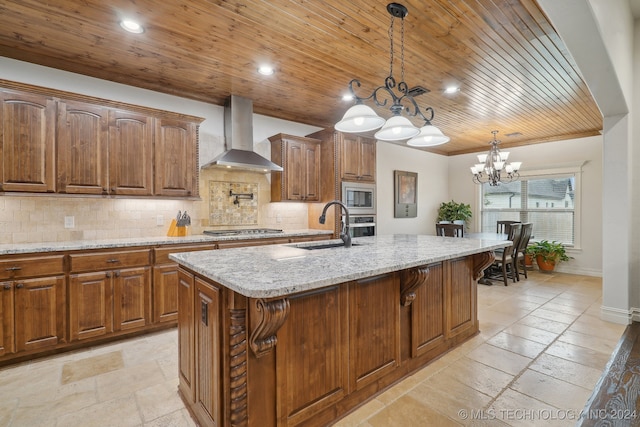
pixel 588 259
pixel 432 187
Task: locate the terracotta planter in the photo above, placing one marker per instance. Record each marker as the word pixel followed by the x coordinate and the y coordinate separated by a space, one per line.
pixel 545 266
pixel 528 261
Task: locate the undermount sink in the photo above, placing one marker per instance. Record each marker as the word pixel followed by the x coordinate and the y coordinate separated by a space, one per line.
pixel 325 246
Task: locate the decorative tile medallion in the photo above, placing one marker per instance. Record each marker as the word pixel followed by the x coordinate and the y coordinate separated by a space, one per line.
pixel 233 203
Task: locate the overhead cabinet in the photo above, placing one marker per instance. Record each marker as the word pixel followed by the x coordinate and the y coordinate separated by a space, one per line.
pixel 27 140
pixel 300 161
pixel 357 158
pixel 97 146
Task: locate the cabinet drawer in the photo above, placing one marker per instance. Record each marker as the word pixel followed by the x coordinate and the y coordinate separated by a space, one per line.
pixel 162 254
pixel 31 267
pixel 110 260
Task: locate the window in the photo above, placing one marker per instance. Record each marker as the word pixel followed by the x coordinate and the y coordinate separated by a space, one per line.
pixel 549 202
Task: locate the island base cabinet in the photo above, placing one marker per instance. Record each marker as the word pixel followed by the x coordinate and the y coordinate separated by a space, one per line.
pixel 308 359
pixel 199 344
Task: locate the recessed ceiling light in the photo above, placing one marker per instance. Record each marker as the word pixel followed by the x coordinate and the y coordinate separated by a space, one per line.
pixel 347 97
pixel 266 70
pixel 131 26
pixel 452 89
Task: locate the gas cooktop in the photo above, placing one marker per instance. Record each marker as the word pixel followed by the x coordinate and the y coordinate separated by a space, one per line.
pixel 242 231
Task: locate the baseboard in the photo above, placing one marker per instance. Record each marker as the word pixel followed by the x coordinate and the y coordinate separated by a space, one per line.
pixel 617 315
pixel 566 268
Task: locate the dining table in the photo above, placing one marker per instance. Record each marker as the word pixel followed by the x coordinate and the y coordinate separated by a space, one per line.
pixel 486 236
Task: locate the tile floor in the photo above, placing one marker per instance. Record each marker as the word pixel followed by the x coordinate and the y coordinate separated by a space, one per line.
pixel 541 350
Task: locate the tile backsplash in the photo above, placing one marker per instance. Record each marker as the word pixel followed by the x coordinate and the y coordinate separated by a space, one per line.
pixel 34 219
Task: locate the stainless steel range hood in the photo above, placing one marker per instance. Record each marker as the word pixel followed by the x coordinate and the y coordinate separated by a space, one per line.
pixel 238 136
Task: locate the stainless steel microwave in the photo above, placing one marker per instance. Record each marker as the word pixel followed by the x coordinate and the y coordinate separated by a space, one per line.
pixel 360 198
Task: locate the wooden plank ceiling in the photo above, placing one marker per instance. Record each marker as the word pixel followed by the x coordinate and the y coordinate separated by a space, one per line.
pixel 515 73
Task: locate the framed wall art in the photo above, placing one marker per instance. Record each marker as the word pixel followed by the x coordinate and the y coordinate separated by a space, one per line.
pixel 405 194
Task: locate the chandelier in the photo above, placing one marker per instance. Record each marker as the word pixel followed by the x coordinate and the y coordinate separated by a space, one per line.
pixel 493 167
pixel 362 118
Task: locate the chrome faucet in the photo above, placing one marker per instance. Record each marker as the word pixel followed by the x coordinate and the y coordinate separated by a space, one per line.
pixel 344 231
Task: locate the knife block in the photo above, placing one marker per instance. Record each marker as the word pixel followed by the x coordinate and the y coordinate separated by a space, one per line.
pixel 175 230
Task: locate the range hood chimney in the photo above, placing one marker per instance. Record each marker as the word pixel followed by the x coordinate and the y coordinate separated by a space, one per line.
pixel 238 140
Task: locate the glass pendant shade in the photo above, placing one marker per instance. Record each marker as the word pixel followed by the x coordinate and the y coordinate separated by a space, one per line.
pixel 482 158
pixel 359 118
pixel 428 137
pixel 396 129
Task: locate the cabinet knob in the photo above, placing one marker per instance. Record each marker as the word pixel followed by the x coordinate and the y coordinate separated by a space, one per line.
pixel 118 273
pixel 108 274
pixel 20 286
pixel 6 287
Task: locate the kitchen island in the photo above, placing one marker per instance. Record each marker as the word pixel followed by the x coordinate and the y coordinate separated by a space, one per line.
pixel 285 335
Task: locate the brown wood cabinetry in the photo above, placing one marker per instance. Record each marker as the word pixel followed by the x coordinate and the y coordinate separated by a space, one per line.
pixel 357 156
pixel 27 142
pixel 186 340
pixel 175 165
pixel 98 147
pixel 199 343
pixel 116 297
pixel 130 156
pixel 300 159
pixel 76 298
pixel 82 147
pixel 166 281
pixel 309 358
pixel 32 308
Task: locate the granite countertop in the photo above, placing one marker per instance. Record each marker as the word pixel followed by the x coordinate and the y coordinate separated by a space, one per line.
pixel 72 245
pixel 279 270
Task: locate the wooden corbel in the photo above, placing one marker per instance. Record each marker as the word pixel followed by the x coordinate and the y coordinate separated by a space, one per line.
pixel 482 261
pixel 273 313
pixel 410 281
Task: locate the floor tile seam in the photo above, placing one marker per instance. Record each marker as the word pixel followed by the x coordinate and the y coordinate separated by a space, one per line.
pixel 522 371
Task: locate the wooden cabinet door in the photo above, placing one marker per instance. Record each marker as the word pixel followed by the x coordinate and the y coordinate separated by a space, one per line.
pixel 39 313
pixel 175 164
pixel 374 314
pixel 165 293
pixel 27 141
pixel 90 305
pixel 208 380
pixel 130 156
pixel 367 159
pixel 131 298
pixel 312 172
pixel 82 145
pixel 312 355
pixel 6 318
pixel 294 171
pixel 357 158
pixel 349 151
pixel 186 341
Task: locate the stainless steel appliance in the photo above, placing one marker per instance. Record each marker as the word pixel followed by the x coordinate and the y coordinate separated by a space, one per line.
pixel 242 231
pixel 362 225
pixel 360 198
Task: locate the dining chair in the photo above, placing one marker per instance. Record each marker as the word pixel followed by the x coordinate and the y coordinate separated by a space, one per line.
pixel 527 230
pixel 450 230
pixel 502 227
pixel 505 259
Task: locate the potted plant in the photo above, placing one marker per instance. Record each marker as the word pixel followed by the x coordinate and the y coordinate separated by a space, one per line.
pixel 548 254
pixel 453 211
